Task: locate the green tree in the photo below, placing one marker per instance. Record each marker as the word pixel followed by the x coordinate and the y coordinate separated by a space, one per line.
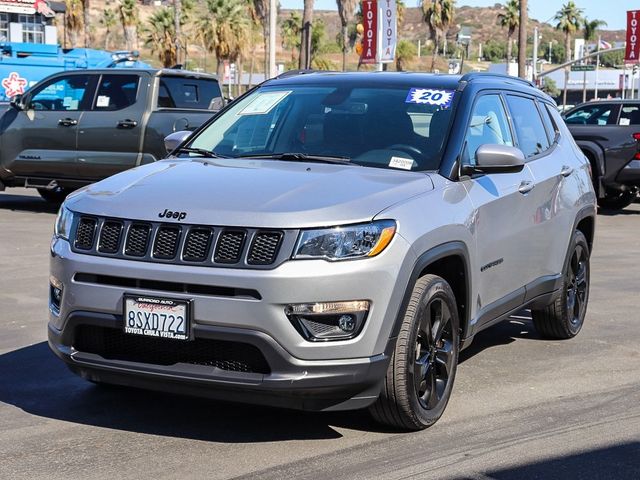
pixel 290 27
pixel 406 51
pixel 494 51
pixel 569 19
pixel 509 18
pixel 225 30
pixel 108 21
pixel 438 15
pixel 159 34
pixel 590 28
pixel 550 87
pixel 128 10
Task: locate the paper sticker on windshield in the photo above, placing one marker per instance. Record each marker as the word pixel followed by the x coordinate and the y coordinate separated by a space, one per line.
pixel 430 96
pixel 264 102
pixel 103 101
pixel 399 162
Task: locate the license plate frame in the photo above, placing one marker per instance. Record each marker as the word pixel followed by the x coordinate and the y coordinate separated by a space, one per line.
pixel 154 312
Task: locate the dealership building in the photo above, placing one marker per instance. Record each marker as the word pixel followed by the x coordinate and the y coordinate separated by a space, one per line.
pixel 29 21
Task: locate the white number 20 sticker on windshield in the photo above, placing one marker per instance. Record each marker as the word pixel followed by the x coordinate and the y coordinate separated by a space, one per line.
pixel 430 96
pixel 263 102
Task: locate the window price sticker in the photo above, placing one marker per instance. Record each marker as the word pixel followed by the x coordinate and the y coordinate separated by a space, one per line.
pixel 430 96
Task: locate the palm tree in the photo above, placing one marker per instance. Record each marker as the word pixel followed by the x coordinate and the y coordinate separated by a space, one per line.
pixel 346 10
pixel 438 15
pixel 159 35
pixel 589 29
pixel 509 18
pixel 522 40
pixel 87 21
pixel 569 19
pixel 108 21
pixel 261 12
pixel 225 30
pixel 305 35
pixel 291 34
pixel 177 17
pixel 73 18
pixel 128 10
pixel 405 52
pixel 401 8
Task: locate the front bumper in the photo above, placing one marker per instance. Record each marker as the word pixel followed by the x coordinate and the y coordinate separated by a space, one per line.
pixel 291 382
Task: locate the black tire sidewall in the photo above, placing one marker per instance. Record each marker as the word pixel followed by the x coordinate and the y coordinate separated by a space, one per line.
pixel 437 288
pixel 577 239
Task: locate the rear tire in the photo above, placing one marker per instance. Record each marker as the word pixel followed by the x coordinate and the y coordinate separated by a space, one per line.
pixel 617 199
pixel 565 316
pixel 423 364
pixel 57 195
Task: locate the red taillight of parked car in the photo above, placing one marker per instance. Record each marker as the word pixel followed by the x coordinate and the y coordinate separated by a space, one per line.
pixel 636 136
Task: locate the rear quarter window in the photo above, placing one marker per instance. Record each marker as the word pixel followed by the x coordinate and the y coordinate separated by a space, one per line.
pixel 629 115
pixel 191 93
pixel 530 131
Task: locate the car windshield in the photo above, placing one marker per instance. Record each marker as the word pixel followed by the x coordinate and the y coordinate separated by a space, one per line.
pixel 390 127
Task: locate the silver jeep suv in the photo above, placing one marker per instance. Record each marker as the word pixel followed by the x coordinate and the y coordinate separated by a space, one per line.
pixel 329 241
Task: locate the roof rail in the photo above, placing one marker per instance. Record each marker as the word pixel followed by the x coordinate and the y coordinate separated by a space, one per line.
pixel 473 75
pixel 293 73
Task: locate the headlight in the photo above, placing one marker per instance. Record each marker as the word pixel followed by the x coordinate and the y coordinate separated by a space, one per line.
pixel 64 220
pixel 341 243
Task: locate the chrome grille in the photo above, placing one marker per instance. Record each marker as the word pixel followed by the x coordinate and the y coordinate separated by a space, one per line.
pixel 137 240
pixel 264 248
pixel 166 242
pixel 196 245
pixel 85 233
pixel 110 236
pixel 230 246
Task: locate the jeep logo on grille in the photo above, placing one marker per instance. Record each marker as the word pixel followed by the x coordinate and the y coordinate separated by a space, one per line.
pixel 169 214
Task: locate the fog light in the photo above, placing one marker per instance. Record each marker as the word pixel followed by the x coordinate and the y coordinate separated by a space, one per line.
pixel 326 321
pixel 55 292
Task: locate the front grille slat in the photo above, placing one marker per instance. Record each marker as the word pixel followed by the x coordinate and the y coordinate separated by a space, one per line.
pixel 170 242
pixel 137 240
pixel 264 248
pixel 197 244
pixel 110 236
pixel 114 344
pixel 165 245
pixel 230 246
pixel 85 233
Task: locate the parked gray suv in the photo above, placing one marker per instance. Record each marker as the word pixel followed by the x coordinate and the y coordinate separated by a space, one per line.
pixel 329 241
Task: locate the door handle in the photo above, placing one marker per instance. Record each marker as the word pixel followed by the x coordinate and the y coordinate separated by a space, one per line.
pixel 127 123
pixel 566 170
pixel 67 122
pixel 525 187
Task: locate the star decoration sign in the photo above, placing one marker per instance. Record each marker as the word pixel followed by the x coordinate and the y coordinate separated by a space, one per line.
pixel 14 85
pixel 430 96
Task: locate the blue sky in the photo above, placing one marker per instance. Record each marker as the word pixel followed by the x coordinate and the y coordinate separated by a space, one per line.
pixel 612 11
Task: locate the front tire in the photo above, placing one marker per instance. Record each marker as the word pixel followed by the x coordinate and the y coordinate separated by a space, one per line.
pixel 423 365
pixel 56 196
pixel 564 318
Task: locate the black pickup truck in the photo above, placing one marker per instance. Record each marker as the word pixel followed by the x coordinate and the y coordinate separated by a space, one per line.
pixel 78 127
pixel 608 132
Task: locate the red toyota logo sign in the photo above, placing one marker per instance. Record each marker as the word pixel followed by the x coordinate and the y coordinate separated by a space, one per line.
pixel 632 52
pixel 370 33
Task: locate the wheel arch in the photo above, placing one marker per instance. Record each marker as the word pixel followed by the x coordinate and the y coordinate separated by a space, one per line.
pixel 595 155
pixel 451 262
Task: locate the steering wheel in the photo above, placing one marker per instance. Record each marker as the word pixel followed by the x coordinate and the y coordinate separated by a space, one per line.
pixel 403 147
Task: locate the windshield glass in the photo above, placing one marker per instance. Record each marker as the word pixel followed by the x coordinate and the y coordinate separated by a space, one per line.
pixel 399 127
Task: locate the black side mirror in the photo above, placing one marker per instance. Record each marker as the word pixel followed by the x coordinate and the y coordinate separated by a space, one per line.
pixel 17 102
pixel 494 158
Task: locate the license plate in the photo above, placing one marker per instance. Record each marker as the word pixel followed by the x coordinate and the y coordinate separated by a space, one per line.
pixel 156 317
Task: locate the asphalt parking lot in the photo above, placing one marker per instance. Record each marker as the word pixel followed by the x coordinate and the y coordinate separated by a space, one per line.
pixel 522 407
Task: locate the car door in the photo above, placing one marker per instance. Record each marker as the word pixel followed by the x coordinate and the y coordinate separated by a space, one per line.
pixel 502 214
pixel 40 139
pixel 110 133
pixel 552 165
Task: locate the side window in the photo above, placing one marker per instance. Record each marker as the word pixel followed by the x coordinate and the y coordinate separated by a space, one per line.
pixel 630 115
pixel 530 132
pixel 185 92
pixel 597 114
pixel 61 94
pixel 548 123
pixel 116 92
pixel 488 125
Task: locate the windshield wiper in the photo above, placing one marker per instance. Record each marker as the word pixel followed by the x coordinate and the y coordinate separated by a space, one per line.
pixel 302 157
pixel 200 151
